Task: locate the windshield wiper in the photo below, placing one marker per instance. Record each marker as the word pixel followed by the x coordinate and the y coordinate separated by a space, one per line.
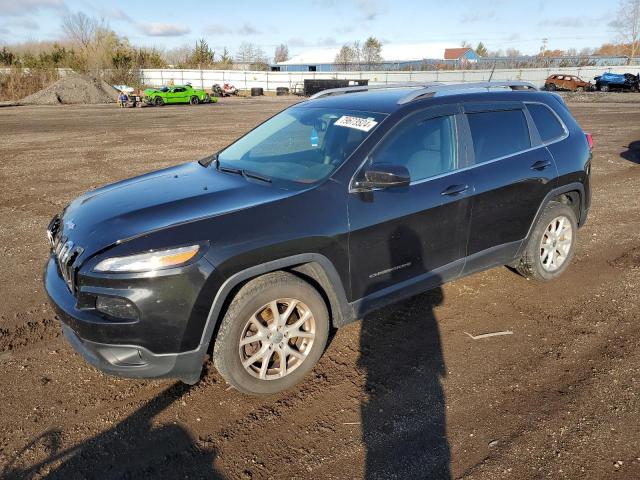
pixel 244 172
pixel 257 176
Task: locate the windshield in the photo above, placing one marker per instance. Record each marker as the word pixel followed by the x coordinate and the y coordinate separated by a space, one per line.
pixel 301 144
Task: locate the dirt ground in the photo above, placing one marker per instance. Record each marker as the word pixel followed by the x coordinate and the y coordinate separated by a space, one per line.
pixel 405 393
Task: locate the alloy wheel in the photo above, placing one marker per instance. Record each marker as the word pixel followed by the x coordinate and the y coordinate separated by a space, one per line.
pixel 277 338
pixel 556 243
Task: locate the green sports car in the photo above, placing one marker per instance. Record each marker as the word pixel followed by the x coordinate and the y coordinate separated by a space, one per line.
pixel 177 94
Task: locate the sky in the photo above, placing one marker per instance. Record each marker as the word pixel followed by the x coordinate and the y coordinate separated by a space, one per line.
pixel 306 25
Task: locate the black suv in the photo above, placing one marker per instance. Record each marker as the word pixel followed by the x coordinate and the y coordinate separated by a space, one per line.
pixel 334 207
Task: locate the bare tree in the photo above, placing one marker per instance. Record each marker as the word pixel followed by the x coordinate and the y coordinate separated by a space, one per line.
pixel 346 57
pixel 252 55
pixel 80 28
pixel 627 24
pixel 281 54
pixel 372 52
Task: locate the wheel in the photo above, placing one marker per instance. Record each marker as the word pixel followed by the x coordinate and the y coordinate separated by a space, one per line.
pixel 158 101
pixel 551 245
pixel 272 334
pixel 604 88
pixel 551 87
pixel 257 92
pixel 194 100
pixel 580 89
pixel 207 98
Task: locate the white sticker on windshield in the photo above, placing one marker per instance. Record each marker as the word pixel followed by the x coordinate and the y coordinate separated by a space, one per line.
pixel 364 124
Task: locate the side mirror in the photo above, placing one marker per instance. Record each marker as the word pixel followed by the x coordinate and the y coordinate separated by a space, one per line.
pixel 384 175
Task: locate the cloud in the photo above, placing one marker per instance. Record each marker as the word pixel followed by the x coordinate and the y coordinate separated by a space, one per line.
pixel 574 22
pixel 218 29
pixel 248 29
pixel 243 30
pixel 21 8
pixel 26 24
pixel 163 29
pixel 327 42
pixel 114 13
pixel 369 9
pixel 343 30
pixel 297 42
pixel 476 17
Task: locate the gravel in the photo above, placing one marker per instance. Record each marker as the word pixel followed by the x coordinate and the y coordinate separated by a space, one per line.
pixel 74 89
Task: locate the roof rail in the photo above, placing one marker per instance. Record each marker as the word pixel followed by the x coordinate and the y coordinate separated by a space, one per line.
pixel 366 88
pixel 464 86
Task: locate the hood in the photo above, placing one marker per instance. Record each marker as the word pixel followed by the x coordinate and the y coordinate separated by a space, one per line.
pixel 179 194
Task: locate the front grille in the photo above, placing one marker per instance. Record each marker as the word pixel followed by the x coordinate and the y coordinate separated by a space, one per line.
pixel 65 251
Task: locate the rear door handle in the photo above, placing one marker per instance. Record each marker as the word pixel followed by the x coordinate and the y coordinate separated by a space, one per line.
pixel 541 165
pixel 455 189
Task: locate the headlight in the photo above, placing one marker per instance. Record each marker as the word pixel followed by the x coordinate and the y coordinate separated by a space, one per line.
pixel 145 262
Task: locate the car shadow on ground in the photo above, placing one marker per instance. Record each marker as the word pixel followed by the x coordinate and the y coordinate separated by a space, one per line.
pixel 633 152
pixel 403 419
pixel 133 448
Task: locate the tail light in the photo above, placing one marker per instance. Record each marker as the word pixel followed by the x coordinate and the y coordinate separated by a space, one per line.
pixel 589 140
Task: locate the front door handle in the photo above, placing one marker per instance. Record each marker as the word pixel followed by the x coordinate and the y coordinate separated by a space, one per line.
pixel 455 189
pixel 541 165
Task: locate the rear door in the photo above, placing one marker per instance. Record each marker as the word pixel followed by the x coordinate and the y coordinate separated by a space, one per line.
pixel 412 237
pixel 512 173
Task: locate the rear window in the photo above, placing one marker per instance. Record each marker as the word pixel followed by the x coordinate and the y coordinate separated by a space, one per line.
pixel 498 134
pixel 548 125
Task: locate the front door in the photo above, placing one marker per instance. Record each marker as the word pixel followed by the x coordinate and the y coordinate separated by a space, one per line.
pixel 408 239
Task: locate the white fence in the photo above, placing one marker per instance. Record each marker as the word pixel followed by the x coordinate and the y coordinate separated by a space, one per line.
pixel 272 80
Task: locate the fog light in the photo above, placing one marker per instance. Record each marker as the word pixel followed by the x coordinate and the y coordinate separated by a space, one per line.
pixel 117 307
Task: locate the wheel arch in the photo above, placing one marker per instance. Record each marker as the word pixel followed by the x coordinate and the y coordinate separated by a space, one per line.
pixel 314 268
pixel 572 194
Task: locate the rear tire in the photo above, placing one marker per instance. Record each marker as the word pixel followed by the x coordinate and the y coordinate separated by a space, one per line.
pixel 604 88
pixel 289 348
pixel 551 245
pixel 194 101
pixel 580 89
pixel 551 87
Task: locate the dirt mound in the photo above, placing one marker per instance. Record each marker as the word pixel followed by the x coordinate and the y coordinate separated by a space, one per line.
pixel 73 89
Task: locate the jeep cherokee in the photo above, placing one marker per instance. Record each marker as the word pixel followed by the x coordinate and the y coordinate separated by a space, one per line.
pixel 334 207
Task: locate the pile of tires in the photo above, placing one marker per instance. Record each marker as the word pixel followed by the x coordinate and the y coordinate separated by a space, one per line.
pixel 257 92
pixel 280 91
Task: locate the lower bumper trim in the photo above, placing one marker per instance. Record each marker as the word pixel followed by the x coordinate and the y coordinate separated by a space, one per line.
pixel 136 362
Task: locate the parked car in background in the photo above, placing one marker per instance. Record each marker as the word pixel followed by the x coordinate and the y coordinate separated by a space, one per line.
pixel 226 90
pixel 617 81
pixel 176 94
pixel 566 82
pixel 331 209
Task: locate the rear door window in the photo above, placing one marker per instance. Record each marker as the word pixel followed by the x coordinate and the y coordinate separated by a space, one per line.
pixel 548 125
pixel 498 134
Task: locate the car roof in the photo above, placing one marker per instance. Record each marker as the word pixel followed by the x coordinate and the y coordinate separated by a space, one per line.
pixel 387 101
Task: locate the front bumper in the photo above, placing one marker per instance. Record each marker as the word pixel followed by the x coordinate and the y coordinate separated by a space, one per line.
pixel 136 362
pixel 111 346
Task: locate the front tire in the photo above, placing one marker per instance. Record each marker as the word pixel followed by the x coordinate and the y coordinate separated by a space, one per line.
pixel 551 245
pixel 158 101
pixel 604 88
pixel 272 335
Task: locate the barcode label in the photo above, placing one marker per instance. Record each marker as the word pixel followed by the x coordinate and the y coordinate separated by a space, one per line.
pixel 364 124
